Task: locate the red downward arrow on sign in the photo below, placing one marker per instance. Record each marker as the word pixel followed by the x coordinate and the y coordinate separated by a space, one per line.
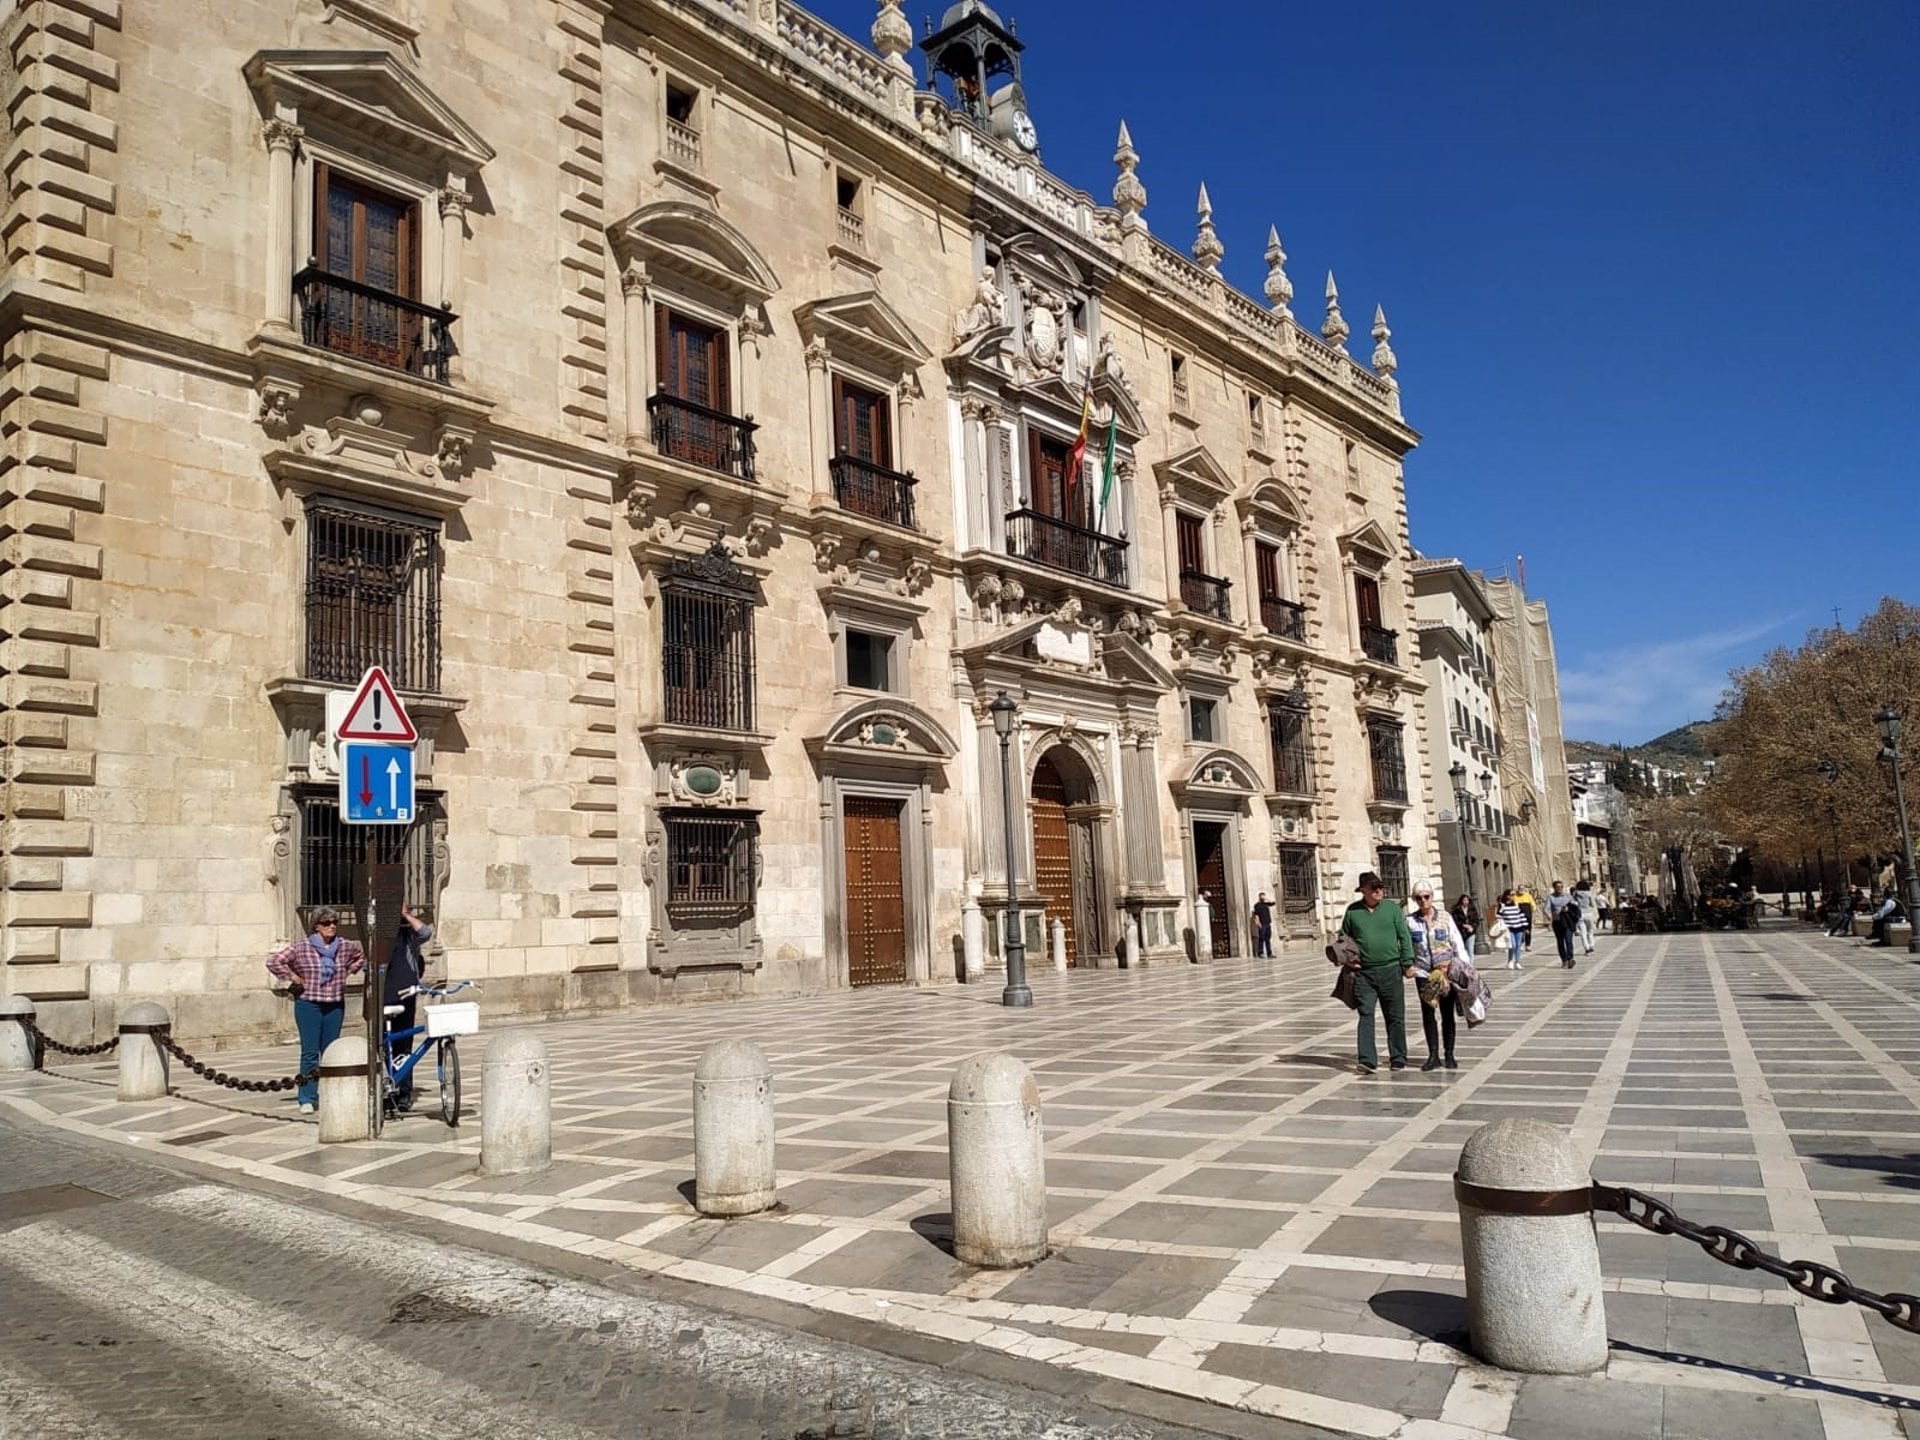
pixel 366 779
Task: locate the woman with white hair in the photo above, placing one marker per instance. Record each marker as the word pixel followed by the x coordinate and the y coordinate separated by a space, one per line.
pixel 1437 943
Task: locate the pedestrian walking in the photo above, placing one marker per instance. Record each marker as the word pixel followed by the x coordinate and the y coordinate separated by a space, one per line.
pixel 1379 927
pixel 1563 916
pixel 316 969
pixel 1437 943
pixel 1466 919
pixel 406 966
pixel 1514 921
pixel 1263 927
pixel 1583 896
pixel 1523 897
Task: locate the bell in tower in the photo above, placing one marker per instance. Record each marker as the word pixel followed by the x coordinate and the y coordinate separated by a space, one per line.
pixel 977 55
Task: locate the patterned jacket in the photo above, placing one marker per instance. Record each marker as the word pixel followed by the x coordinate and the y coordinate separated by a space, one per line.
pixel 302 962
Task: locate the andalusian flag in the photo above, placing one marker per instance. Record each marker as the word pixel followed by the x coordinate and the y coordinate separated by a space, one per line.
pixel 1079 456
pixel 1106 469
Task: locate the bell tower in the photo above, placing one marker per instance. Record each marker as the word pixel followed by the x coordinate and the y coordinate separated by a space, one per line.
pixel 977 56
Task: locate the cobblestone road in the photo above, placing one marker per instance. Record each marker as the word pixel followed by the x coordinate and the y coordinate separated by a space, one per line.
pixel 139 1305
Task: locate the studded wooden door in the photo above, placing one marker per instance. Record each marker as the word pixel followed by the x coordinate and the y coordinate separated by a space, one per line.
pixel 1210 878
pixel 876 898
pixel 1053 856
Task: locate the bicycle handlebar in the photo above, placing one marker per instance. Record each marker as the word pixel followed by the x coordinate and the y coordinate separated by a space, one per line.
pixel 438 992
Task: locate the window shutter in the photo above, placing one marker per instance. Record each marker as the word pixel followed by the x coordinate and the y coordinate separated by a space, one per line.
pixel 662 343
pixel 720 371
pixel 842 419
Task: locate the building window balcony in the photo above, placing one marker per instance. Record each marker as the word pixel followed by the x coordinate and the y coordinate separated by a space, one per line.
pixel 1204 593
pixel 352 318
pixel 851 226
pixel 863 487
pixel 1047 540
pixel 712 860
pixel 373 598
pixel 1292 754
pixel 700 435
pixel 1284 618
pixel 1378 643
pixel 1299 879
pixel 683 143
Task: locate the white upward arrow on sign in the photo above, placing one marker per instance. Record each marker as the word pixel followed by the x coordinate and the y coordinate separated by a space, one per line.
pixel 375 712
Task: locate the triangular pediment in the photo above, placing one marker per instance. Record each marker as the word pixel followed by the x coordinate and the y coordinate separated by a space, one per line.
pixel 864 325
pixel 680 238
pixel 1128 660
pixel 1370 539
pixel 370 94
pixel 1195 468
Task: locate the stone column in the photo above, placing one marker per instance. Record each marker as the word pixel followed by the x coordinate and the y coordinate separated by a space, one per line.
pixel 453 242
pixel 637 333
pixel 820 419
pixel 282 136
pixel 751 331
pixel 1250 562
pixel 1169 544
pixel 1140 775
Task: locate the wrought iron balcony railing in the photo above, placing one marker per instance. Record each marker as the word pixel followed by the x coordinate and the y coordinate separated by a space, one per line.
pixel 1389 781
pixel 1055 543
pixel 701 435
pixel 1205 593
pixel 1284 618
pixel 351 318
pixel 870 489
pixel 1379 644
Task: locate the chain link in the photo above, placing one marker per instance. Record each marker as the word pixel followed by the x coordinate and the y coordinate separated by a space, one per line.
pixel 233 1082
pixel 1820 1282
pixel 52 1044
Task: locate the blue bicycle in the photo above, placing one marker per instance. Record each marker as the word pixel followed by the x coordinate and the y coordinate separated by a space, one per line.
pixel 440 1026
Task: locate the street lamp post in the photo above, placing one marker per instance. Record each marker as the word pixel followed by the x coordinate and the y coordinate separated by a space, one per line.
pixel 1458 774
pixel 1831 772
pixel 1889 721
pixel 1012 931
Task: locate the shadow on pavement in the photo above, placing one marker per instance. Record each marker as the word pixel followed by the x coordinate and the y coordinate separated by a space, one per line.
pixel 1777 1377
pixel 1900 1171
pixel 1325 1062
pixel 935 1228
pixel 1435 1314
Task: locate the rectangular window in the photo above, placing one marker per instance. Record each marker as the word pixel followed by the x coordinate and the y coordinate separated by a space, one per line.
pixel 862 423
pixel 692 410
pixel 711 860
pixel 693 360
pixel 1190 536
pixel 373 597
pixel 707 658
pixel 361 295
pixel 1393 870
pixel 1266 564
pixel 1256 415
pixel 1202 717
pixel 869 660
pixel 1056 492
pixel 850 209
pixel 1389 763
pixel 1366 599
pixel 1292 748
pixel 1177 371
pixel 332 853
pixel 1299 879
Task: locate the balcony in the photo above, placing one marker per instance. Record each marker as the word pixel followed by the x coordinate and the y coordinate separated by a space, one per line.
pixel 1205 593
pixel 683 143
pixel 1284 618
pixel 701 435
pixel 851 226
pixel 1052 542
pixel 863 488
pixel 1379 644
pixel 368 323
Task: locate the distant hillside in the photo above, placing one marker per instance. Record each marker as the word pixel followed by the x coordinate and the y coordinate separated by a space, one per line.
pixel 1678 749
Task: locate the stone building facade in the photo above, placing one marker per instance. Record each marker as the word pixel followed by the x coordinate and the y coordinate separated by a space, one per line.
pixel 679 399
pixel 1455 625
pixel 1533 759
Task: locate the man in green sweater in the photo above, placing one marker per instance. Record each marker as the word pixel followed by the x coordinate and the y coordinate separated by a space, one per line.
pixel 1379 927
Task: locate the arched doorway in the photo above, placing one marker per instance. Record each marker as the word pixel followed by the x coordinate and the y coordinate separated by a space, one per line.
pixel 1066 851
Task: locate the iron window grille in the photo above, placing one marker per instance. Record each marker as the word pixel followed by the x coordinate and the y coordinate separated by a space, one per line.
pixel 707 656
pixel 373 597
pixel 1389 764
pixel 1392 864
pixel 332 852
pixel 1299 879
pixel 1292 748
pixel 712 864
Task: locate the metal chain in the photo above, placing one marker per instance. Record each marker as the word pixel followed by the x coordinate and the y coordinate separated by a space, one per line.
pixel 52 1044
pixel 1821 1282
pixel 233 1082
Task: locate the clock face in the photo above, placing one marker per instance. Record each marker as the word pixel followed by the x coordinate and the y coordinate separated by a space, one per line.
pixel 1024 135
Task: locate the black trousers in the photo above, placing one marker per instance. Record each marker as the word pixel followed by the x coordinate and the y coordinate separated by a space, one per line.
pixel 1441 1027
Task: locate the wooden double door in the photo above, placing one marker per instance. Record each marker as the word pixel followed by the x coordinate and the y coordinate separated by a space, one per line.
pixel 876 898
pixel 1066 866
pixel 1210 879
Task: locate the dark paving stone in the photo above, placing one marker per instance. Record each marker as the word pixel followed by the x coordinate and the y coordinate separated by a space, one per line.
pixel 1410 1387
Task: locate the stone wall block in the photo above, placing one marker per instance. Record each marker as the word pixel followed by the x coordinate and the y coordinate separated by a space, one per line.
pixel 49 837
pixel 52 417
pixel 51 767
pixel 46 731
pixel 50 485
pixel 59 908
pixel 62 352
pixel 34 657
pixel 64 627
pixel 33 108
pixel 36 517
pixel 27 872
pixel 78 60
pixel 38 802
pixel 63 557
pixel 68 697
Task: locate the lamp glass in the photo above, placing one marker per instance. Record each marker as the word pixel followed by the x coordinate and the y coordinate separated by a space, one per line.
pixel 1002 709
pixel 1889 720
pixel 1458 773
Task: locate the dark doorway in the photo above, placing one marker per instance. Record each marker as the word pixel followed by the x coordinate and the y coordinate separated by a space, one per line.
pixel 1210 879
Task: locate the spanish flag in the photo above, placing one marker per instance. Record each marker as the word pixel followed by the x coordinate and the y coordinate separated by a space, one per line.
pixel 1079 456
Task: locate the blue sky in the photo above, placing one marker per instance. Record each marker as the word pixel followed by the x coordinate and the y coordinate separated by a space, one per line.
pixel 1649 268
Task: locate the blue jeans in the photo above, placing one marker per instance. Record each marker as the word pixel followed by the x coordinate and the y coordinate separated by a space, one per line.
pixel 1516 941
pixel 319 1024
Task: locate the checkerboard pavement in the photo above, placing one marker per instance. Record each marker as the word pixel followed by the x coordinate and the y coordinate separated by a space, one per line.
pixel 1236 1215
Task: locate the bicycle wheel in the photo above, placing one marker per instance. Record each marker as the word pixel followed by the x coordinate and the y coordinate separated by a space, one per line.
pixel 447 1061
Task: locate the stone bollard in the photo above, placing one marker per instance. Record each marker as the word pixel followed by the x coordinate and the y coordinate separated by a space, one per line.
pixel 17 1048
pixel 143 1064
pixel 1533 1262
pixel 1202 928
pixel 1899 933
pixel 343 1090
pixel 973 939
pixel 516 1105
pixel 733 1170
pixel 1057 934
pixel 996 1162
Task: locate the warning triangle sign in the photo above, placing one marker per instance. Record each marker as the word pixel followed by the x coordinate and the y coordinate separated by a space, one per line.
pixel 375 713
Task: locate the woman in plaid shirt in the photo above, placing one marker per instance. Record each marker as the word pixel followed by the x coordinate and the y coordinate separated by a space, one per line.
pixel 316 970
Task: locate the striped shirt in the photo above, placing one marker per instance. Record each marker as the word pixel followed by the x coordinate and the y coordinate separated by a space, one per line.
pixel 1512 916
pixel 302 961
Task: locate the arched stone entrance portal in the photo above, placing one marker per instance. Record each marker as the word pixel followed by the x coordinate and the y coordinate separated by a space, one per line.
pixel 1067 871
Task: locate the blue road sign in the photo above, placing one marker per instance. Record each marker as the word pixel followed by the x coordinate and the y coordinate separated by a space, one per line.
pixel 376 784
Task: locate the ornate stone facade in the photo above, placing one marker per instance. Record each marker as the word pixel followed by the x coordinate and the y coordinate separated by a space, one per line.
pixel 701 475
